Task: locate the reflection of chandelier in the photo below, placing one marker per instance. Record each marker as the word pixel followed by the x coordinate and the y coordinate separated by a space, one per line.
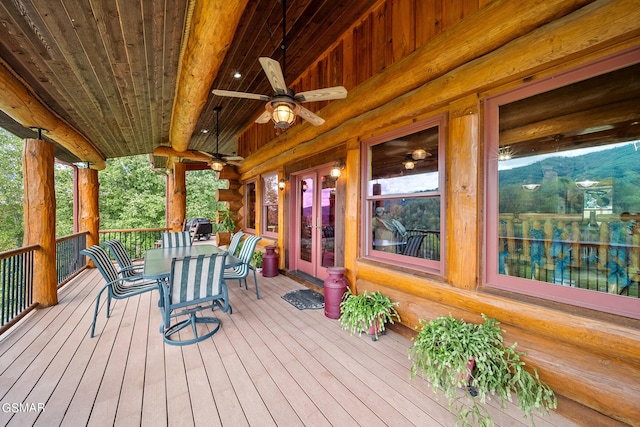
pixel 504 153
pixel 303 186
pixel 530 185
pixel 586 183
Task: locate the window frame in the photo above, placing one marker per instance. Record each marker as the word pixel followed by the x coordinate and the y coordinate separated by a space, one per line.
pixel 366 247
pixel 600 301
pixel 264 206
pixel 247 204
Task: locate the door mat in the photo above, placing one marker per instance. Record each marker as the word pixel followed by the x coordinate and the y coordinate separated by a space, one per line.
pixel 304 299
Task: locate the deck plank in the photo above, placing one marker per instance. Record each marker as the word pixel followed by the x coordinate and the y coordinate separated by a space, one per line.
pixel 270 364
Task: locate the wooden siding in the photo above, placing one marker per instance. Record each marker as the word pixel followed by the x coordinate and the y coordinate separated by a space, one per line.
pixel 270 364
pixel 390 31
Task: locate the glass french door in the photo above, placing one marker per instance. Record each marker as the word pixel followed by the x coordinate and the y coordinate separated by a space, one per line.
pixel 315 222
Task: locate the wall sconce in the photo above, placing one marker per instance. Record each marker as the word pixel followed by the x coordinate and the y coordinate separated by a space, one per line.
pixel 336 170
pixel 282 184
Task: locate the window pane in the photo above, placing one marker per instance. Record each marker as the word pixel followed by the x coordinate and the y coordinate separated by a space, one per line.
pixel 569 185
pixel 272 219
pixel 251 205
pixel 405 165
pixel 270 189
pixel 409 227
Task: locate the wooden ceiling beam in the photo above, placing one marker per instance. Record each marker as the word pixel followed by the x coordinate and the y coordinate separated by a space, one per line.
pixel 197 156
pixel 19 103
pixel 212 27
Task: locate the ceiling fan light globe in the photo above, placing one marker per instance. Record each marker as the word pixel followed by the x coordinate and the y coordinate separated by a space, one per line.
pixel 283 115
pixel 217 166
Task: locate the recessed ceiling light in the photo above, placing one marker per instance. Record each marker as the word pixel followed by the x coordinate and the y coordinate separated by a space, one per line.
pixel 237 74
pixel 205 131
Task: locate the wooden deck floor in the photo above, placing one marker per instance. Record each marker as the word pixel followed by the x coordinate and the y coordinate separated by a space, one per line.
pixel 270 364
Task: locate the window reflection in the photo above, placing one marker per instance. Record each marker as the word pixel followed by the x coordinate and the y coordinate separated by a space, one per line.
pixel 569 189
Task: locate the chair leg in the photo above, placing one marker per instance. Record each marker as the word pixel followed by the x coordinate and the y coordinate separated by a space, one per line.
pixel 255 281
pixel 95 313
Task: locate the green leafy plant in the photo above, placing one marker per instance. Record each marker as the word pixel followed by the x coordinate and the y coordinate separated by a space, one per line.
pixel 441 353
pixel 256 259
pixel 225 222
pixel 367 312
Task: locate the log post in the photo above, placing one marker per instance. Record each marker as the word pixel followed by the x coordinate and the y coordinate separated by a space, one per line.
pixel 352 211
pixel 462 193
pixel 40 217
pixel 89 204
pixel 178 197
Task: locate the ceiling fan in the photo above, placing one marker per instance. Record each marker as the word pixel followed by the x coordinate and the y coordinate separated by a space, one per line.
pixel 284 105
pixel 218 161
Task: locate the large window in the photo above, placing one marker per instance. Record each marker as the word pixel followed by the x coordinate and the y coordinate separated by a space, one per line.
pixel 563 195
pixel 404 197
pixel 250 206
pixel 270 204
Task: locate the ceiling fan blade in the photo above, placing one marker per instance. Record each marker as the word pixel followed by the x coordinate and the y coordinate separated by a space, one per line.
pixel 235 163
pixel 264 117
pixel 336 92
pixel 241 94
pixel 274 74
pixel 310 117
pixel 234 158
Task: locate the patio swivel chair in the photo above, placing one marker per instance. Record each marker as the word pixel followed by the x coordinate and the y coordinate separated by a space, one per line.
pixel 195 284
pixel 241 271
pixel 130 271
pixel 116 286
pixel 174 239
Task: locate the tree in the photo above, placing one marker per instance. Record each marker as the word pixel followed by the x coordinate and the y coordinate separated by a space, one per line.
pixel 11 191
pixel 64 199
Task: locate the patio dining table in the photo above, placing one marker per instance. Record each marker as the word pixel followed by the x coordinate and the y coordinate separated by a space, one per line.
pixel 157 262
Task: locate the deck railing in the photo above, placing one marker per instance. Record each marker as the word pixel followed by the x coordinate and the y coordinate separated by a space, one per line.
pixel 69 262
pixel 136 241
pixel 16 283
pixel 17 266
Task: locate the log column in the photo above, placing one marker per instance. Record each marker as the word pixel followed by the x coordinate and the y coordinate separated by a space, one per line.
pixel 462 193
pixel 40 217
pixel 89 187
pixel 178 197
pixel 352 211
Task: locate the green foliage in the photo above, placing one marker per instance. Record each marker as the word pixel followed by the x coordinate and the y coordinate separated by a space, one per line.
pixel 11 191
pixel 441 353
pixel 225 221
pixel 256 259
pixel 63 176
pixel 131 194
pixel 358 313
pixel 201 194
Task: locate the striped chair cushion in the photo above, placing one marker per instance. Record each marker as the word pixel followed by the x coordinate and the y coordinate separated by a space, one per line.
pixel 173 239
pixel 235 241
pixel 122 257
pixel 195 278
pixel 246 252
pixel 101 258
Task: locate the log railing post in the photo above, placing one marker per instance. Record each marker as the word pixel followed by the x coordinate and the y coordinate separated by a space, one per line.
pixel 40 217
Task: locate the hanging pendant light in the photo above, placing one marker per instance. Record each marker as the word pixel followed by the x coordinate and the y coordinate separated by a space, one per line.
pixel 217 164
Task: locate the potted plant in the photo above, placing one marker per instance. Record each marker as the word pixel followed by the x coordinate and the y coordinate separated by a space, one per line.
pixel 367 312
pixel 224 227
pixel 256 260
pixel 451 353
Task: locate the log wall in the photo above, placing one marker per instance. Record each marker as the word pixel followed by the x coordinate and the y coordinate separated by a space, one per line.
pixel 405 61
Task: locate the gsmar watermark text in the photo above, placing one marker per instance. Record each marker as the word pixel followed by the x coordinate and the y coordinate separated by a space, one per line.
pixel 24 407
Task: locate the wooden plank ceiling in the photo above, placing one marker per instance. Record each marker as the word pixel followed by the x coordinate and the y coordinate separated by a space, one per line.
pixel 109 67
